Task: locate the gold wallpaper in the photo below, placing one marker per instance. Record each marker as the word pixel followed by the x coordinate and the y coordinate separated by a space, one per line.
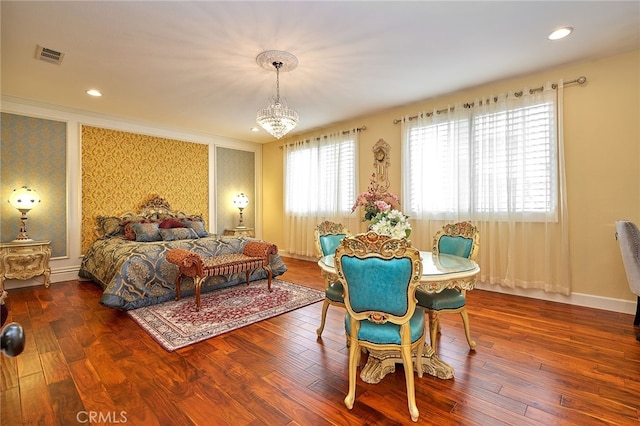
pixel 121 169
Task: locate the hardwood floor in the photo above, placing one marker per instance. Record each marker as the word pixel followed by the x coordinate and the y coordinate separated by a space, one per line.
pixel 536 363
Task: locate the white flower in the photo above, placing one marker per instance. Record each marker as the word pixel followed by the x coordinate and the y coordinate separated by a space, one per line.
pixel 391 222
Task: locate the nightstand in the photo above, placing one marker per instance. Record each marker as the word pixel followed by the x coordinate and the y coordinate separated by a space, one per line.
pixel 240 232
pixel 25 259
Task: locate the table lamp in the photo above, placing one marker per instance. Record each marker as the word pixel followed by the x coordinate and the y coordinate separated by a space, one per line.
pixel 240 201
pixel 23 199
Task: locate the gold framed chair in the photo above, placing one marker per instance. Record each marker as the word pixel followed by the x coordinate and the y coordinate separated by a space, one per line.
pixel 458 239
pixel 327 236
pixel 380 276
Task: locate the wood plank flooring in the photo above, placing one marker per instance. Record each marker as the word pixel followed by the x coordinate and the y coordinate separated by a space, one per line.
pixel 537 363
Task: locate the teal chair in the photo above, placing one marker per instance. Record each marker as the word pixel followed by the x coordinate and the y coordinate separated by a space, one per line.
pixel 327 236
pixel 380 276
pixel 458 239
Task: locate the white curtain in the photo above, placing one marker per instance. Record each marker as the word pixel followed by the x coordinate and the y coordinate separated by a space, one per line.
pixel 498 163
pixel 319 184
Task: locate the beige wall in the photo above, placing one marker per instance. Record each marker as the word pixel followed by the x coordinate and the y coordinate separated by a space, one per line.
pixel 602 138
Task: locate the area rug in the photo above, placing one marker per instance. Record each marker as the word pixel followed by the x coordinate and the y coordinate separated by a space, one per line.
pixel 176 324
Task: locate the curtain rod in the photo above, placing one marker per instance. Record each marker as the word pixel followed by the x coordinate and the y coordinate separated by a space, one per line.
pixel 579 80
pixel 358 129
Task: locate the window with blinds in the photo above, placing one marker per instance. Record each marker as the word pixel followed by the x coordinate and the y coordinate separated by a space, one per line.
pixel 320 179
pixel 488 165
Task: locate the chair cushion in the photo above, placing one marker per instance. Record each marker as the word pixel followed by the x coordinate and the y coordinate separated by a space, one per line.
pixel 334 292
pixel 329 243
pixel 387 333
pixel 447 299
pixel 457 246
pixel 389 294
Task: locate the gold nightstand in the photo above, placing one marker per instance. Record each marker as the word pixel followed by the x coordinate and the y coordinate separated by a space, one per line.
pixel 240 232
pixel 25 259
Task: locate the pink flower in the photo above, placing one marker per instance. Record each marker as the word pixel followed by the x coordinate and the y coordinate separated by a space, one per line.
pixel 376 199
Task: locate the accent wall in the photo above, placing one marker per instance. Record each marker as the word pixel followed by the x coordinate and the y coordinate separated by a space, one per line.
pixel 33 153
pixel 122 169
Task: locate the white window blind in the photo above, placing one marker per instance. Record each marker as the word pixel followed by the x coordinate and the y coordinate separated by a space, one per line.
pixel 487 163
pixel 320 178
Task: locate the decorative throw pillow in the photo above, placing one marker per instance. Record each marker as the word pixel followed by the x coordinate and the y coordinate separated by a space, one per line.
pixel 171 223
pixel 197 226
pixel 146 232
pixel 109 225
pixel 174 234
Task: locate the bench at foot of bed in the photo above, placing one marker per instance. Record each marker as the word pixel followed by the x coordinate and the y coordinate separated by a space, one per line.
pixel 254 256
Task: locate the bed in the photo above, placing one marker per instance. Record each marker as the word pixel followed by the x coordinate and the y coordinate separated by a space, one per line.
pixel 128 258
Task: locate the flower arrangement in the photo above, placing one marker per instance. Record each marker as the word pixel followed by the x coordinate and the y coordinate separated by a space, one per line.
pixel 391 222
pixel 375 200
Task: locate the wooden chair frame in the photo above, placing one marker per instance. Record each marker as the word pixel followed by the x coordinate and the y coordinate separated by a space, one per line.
pixel 327 228
pixel 373 245
pixel 465 230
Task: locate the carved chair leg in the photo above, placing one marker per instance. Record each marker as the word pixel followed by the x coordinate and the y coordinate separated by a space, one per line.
pixel 325 307
pixel 467 329
pixel 354 360
pixel 409 379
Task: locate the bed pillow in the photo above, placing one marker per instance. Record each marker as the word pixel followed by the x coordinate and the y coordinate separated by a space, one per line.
pixel 196 225
pixel 171 223
pixel 146 232
pixel 109 226
pixel 129 234
pixel 174 234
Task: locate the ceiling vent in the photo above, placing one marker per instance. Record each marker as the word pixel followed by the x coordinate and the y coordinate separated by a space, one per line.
pixel 49 55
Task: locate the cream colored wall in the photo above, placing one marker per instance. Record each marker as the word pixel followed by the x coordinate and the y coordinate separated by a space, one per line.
pixel 602 138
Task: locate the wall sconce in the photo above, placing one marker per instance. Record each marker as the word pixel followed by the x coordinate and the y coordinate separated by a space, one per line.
pixel 23 199
pixel 241 201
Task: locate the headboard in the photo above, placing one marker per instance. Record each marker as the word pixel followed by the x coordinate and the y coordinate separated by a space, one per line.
pixel 153 207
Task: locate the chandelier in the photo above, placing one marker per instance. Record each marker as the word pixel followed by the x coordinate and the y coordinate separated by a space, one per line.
pixel 277 118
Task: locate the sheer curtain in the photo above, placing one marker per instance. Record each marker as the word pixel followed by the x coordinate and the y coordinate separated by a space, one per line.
pixel 498 163
pixel 319 184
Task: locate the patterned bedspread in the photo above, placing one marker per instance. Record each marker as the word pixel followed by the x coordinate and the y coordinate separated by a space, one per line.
pixel 134 274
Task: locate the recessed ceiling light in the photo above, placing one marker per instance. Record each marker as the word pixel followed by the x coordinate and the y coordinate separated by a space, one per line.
pixel 560 33
pixel 255 129
pixel 94 92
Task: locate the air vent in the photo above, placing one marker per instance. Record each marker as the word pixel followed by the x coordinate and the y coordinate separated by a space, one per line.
pixel 49 55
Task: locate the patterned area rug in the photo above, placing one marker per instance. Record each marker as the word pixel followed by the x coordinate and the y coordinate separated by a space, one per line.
pixel 176 324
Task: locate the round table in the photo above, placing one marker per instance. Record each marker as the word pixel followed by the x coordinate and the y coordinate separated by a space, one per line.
pixel 439 271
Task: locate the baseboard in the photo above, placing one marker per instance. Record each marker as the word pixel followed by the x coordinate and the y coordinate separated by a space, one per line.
pixel 578 299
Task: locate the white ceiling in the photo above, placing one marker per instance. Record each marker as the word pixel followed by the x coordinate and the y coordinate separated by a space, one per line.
pixel 191 65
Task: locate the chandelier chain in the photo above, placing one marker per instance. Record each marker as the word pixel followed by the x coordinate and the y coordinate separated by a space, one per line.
pixel 278 65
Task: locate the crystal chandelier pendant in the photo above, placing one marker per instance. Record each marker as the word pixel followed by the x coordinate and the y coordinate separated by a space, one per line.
pixel 277 118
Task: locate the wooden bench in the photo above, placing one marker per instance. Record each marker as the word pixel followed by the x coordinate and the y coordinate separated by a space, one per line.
pixel 255 255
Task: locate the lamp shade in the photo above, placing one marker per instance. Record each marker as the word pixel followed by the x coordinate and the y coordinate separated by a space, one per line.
pixel 241 201
pixel 24 198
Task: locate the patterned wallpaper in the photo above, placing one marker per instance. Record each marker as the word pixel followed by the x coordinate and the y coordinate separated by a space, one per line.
pixel 121 169
pixel 235 173
pixel 33 152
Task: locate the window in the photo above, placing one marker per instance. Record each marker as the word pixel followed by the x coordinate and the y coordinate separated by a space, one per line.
pixel 487 163
pixel 321 178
